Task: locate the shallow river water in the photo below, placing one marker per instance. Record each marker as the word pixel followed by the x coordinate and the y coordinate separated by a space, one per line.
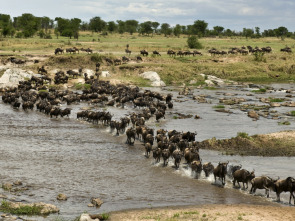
pixel 81 160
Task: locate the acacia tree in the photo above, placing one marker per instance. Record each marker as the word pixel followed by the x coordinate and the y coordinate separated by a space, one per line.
pixel 165 29
pixel 68 28
pixel 146 28
pixel 177 30
pixel 218 30
pixel 199 28
pixel 111 26
pixel 155 26
pixel 6 25
pixel 131 26
pixel 96 24
pixel 28 24
pixel 121 26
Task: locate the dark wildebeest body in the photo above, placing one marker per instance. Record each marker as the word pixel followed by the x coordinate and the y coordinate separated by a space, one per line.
pixel 262 182
pixel 177 157
pixel 208 168
pixel 243 176
pixel 197 167
pixel 144 53
pixel 232 169
pixel 286 185
pixel 220 171
pixel 130 132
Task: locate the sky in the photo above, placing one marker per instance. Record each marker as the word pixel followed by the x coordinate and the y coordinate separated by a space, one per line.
pixel 232 14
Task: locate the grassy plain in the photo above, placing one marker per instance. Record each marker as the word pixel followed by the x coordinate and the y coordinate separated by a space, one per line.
pixel 275 67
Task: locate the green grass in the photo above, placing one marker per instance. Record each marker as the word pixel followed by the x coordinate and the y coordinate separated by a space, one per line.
pixel 292 113
pixel 276 66
pixel 219 106
pixel 277 100
pixel 243 135
pixel 22 210
pixel 260 90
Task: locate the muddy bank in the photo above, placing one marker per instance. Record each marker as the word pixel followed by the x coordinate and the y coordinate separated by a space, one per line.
pixel 208 213
pixel 272 145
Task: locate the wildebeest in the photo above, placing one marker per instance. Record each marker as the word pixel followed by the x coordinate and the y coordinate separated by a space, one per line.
pixel 208 168
pixel 165 155
pixel 148 148
pixel 117 61
pixel 156 53
pixel 220 171
pixel 232 169
pixel 130 132
pixel 58 51
pixel 197 167
pixel 128 51
pixel 65 112
pixel 286 185
pixel 144 53
pixel 157 154
pixel 138 58
pixel 262 182
pixel 243 176
pixel 171 52
pixel 190 155
pixel 177 157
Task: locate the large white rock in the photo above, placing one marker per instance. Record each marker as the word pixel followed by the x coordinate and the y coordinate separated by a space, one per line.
pixel 154 78
pixel 89 72
pixel 105 74
pixel 13 76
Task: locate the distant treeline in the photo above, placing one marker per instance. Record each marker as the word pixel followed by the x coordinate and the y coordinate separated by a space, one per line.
pixel 28 25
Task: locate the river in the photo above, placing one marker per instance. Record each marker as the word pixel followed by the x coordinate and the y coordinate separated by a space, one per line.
pixel 81 160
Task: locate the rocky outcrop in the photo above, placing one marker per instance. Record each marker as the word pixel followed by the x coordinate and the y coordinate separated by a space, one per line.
pixel 45 208
pixel 154 78
pixel 13 76
pixel 61 197
pixel 96 202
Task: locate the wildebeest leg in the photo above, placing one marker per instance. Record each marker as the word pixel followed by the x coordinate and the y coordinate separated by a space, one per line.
pixel 278 197
pixel 291 195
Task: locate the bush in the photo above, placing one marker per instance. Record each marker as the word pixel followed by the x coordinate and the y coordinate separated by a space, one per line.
pixel 193 42
pixel 259 56
pixel 19 35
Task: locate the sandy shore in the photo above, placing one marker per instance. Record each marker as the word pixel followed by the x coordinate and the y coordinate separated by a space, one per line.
pixel 208 213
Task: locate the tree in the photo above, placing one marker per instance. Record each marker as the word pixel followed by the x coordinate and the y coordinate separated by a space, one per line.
pixel 111 26
pixel 281 32
pixel 121 26
pixel 96 24
pixel 6 25
pixel 218 30
pixel 165 29
pixel 131 26
pixel 257 32
pixel 177 30
pixel 146 28
pixel 28 24
pixel 155 26
pixel 68 28
pixel 199 27
pixel 193 42
pixel 247 32
pixel 84 26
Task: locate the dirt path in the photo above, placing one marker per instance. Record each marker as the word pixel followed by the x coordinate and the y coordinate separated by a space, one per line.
pixel 208 213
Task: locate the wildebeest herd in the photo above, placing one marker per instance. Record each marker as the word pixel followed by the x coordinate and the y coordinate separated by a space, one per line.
pixel 161 144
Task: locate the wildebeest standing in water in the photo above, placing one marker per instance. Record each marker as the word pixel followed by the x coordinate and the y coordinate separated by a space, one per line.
pixel 243 176
pixel 220 171
pixel 286 185
pixel 263 182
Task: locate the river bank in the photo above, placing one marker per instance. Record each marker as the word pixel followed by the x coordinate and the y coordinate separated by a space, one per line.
pixel 208 213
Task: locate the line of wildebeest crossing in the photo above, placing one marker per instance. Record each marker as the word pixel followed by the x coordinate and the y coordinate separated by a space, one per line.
pixel 148 105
